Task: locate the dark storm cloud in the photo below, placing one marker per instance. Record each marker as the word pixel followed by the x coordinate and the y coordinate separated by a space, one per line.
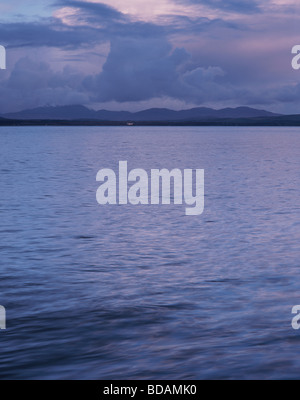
pixel 32 84
pixel 141 65
pixel 145 60
pixel 101 10
pixel 235 6
pixel 139 69
pixel 93 24
pixel 50 32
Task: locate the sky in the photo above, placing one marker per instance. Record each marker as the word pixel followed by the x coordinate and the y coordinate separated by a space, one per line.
pixel 137 54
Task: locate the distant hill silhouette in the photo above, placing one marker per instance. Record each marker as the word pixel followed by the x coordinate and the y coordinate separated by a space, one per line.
pixel 81 113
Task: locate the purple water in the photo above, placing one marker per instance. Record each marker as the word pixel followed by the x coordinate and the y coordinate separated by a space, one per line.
pixel 146 292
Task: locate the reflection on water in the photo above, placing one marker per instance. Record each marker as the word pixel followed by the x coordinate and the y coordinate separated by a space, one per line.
pixel 146 292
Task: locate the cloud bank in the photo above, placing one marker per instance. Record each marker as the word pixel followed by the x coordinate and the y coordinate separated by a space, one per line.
pixel 213 53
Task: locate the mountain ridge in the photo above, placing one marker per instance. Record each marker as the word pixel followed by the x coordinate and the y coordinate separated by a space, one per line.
pixel 80 112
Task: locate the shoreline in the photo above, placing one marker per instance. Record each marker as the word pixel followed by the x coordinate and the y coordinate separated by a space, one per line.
pixel 284 121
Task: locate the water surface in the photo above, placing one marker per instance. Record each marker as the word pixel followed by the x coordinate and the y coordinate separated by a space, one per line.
pixel 146 292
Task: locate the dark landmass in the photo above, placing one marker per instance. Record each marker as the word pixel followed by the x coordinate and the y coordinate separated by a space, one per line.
pixel 288 120
pixel 82 116
pixel 78 112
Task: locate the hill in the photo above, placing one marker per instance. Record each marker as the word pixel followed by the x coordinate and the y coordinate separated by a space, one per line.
pixel 78 112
